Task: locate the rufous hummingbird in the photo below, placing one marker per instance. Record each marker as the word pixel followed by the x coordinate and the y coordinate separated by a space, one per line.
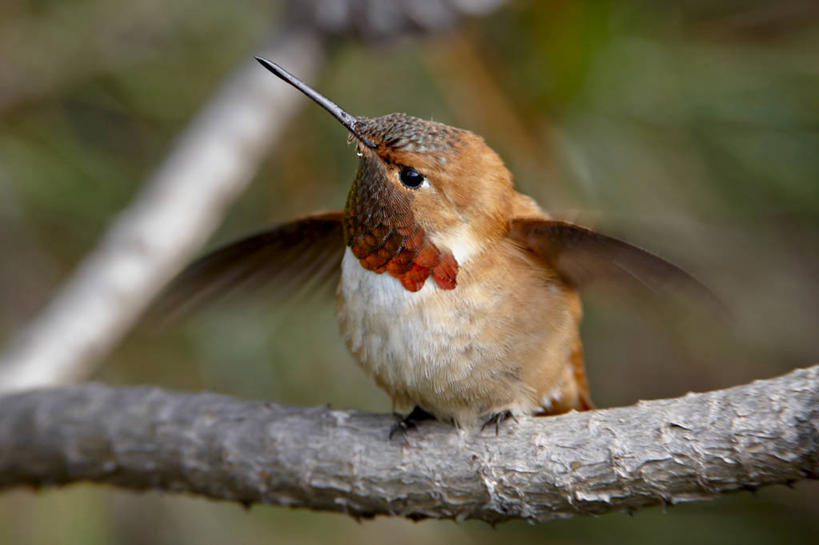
pixel 457 294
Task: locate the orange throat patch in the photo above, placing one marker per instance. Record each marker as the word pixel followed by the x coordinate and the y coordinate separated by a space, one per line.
pixel 380 229
pixel 408 255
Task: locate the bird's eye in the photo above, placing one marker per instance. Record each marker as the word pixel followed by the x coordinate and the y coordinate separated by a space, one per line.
pixel 411 177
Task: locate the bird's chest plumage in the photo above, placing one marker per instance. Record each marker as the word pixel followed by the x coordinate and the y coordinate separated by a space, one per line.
pixel 405 339
pixel 458 353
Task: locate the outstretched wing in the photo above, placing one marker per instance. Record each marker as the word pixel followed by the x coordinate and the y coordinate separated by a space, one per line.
pixel 285 259
pixel 583 257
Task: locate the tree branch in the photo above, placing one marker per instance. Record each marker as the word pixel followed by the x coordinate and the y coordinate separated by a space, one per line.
pixel 666 451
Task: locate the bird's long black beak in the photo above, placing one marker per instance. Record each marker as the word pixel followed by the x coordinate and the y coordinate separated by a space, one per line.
pixel 350 122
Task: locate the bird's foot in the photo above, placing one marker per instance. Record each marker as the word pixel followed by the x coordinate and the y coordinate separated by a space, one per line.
pixel 497 419
pixel 410 421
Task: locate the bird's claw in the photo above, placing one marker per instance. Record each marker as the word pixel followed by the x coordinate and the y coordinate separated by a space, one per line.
pixel 410 421
pixel 497 419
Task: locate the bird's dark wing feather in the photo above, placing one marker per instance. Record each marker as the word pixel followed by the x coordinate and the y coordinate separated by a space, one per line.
pixel 583 257
pixel 286 259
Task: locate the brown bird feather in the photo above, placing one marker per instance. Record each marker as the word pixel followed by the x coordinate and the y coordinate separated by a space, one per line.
pixel 496 331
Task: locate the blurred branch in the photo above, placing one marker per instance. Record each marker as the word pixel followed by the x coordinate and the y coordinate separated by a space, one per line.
pixel 46 56
pixel 380 20
pixel 667 451
pixel 184 201
pixel 164 225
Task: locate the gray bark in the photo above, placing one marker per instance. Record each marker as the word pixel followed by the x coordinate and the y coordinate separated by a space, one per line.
pixel 666 451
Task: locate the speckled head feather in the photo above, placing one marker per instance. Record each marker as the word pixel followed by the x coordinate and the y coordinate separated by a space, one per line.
pixel 402 132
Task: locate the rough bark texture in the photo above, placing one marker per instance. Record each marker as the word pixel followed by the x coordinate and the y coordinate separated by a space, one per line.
pixel 691 448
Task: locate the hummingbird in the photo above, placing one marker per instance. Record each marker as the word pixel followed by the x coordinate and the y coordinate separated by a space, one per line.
pixel 457 294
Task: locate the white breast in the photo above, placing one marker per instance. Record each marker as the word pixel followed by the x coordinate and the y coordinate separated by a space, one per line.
pixel 385 321
pixel 463 352
pixel 412 342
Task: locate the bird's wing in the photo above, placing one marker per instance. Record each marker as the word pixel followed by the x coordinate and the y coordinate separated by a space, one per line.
pixel 583 257
pixel 285 260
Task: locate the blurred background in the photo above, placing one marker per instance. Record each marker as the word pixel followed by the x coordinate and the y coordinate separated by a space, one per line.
pixel 690 128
